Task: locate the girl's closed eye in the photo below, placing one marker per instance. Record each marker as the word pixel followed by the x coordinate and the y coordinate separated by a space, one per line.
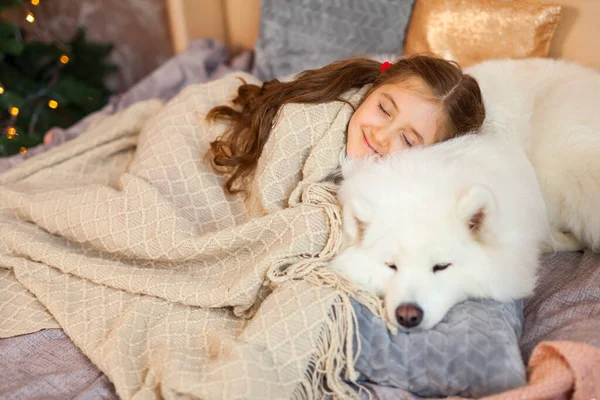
pixel 408 142
pixel 383 110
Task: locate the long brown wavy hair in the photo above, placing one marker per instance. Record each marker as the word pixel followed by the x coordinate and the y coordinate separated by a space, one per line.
pixel 255 108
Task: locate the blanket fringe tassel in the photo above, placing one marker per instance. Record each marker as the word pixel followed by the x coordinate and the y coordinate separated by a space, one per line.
pixel 333 364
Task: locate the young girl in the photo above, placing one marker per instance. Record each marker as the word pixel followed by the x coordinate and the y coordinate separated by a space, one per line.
pixel 416 101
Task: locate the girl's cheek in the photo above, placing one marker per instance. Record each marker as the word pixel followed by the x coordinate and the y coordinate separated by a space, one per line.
pixel 396 145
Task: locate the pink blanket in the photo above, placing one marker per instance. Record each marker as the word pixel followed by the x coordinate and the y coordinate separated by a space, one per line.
pixel 560 369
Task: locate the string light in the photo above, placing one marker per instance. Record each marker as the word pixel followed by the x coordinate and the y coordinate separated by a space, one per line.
pixel 10 128
pixel 11 132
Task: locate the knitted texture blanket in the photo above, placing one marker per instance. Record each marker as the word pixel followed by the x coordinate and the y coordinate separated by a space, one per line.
pixel 125 238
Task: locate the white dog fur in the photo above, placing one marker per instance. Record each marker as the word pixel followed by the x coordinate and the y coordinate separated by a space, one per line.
pixel 472 202
pixel 414 208
pixel 552 107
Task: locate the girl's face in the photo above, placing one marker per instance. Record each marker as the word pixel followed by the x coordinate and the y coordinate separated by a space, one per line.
pixel 393 117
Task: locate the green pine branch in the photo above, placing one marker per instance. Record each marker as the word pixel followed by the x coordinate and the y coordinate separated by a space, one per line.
pixel 32 75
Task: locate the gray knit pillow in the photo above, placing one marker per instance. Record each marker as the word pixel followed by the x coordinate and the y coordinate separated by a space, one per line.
pixel 296 35
pixel 473 352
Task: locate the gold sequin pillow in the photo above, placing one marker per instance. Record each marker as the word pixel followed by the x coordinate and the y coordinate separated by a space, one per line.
pixel 470 31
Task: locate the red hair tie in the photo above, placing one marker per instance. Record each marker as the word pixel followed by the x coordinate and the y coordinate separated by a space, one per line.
pixel 385 66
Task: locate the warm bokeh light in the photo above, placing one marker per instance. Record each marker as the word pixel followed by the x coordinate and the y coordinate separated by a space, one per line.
pixel 11 132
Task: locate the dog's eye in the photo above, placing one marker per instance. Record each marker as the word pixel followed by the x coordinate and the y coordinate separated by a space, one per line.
pixel 392 266
pixel 440 267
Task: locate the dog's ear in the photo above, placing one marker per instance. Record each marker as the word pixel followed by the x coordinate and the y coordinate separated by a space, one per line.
pixel 357 166
pixel 356 215
pixel 476 205
pixel 357 210
pixel 348 166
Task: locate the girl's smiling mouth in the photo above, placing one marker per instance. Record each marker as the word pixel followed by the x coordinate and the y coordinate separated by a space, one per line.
pixel 369 144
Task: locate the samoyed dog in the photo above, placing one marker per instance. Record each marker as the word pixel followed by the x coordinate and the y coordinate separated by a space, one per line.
pixel 429 227
pixel 552 108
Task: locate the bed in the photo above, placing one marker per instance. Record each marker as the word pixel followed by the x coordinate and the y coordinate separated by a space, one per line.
pixel 215 38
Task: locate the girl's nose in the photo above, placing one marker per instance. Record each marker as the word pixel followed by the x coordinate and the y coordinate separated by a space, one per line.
pixel 381 136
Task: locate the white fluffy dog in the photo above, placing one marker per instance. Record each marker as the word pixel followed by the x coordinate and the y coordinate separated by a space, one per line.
pixel 552 108
pixel 430 227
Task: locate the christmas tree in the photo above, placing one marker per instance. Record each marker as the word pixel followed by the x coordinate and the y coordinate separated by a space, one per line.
pixel 45 84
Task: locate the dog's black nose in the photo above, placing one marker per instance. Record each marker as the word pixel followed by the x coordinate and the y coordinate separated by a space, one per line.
pixel 409 315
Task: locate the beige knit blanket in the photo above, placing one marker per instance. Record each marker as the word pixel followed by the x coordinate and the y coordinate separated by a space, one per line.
pixel 124 238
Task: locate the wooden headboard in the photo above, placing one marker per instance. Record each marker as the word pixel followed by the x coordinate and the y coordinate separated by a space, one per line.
pixel 235 23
